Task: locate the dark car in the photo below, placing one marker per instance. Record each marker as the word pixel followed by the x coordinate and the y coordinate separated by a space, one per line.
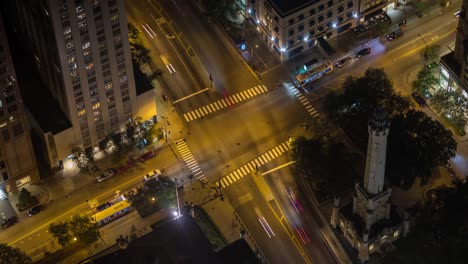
pixel 35 210
pixel 126 167
pixel 395 34
pixel 9 222
pixel 418 98
pixel 103 206
pixel 363 52
pixel 343 62
pixel 148 155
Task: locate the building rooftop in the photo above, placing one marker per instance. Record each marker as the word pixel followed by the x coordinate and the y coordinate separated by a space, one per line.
pixel 285 8
pixel 142 84
pixel 177 241
pixel 36 97
pixel 451 63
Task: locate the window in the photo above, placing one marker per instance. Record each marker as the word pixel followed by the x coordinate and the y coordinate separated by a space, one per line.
pixel 90 66
pixel 66 30
pixel 321 7
pixel 97 105
pixel 115 17
pixel 81 16
pixel 291 32
pixel 311 23
pixel 340 9
pixel 125 99
pixel 291 21
pixel 91 80
pixel 86 45
pixel 300 17
pixel 82 112
pixel 320 19
pixel 17 130
pixel 291 42
pixel 320 29
pixel 330 3
pixel 312 11
pixel 350 4
pixel 329 14
pixel 300 28
pixel 118 46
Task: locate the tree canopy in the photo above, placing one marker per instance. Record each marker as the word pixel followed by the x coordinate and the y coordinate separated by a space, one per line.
pixel 425 80
pixel 223 12
pixel 326 165
pixel 13 255
pixel 416 143
pixel 78 226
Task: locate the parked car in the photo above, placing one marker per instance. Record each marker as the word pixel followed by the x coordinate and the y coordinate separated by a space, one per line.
pixel 343 62
pixel 106 175
pixel 103 206
pixel 9 222
pixel 418 98
pixel 151 175
pixel 126 167
pixel 395 34
pixel 148 155
pixel 363 52
pixel 130 194
pixel 35 210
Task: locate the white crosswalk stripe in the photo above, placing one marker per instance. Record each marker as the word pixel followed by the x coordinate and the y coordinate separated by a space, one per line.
pixel 225 102
pixel 304 101
pixel 189 160
pixel 252 165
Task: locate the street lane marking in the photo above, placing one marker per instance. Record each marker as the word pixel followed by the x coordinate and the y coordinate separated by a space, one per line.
pixel 304 101
pixel 225 102
pixel 189 160
pixel 245 169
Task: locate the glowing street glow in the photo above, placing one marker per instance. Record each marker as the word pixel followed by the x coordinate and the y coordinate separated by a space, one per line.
pixel 258 21
pixel 334 25
pixel 355 15
pixel 249 10
pixel 272 38
pixel 306 38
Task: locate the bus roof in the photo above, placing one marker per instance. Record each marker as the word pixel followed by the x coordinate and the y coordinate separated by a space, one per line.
pixel 312 71
pixel 112 210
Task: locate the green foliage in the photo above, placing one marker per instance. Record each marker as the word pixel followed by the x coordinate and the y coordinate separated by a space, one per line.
pixel 79 227
pixel 25 199
pixel 416 143
pixel 160 194
pixel 80 158
pixel 431 53
pixel 84 229
pixel 61 232
pixel 425 80
pixel 139 52
pixel 326 165
pixel 450 105
pixel 439 235
pixel 13 255
pixel 224 12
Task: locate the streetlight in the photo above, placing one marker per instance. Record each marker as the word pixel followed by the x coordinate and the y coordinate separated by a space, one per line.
pixel 219 178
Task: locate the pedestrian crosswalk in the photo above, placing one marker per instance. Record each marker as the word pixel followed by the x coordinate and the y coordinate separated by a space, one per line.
pixel 304 101
pixel 189 160
pixel 225 102
pixel 254 164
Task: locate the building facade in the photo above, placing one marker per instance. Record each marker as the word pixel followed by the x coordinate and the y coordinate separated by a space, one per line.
pixel 370 221
pixel 17 161
pixel 82 51
pixel 293 27
pixel 454 65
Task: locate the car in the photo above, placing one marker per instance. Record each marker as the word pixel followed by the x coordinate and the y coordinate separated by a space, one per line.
pixel 130 194
pixel 363 52
pixel 457 14
pixel 419 99
pixel 103 206
pixel 148 155
pixel 35 210
pixel 343 62
pixel 153 174
pixel 9 222
pixel 395 34
pixel 106 175
pixel 126 167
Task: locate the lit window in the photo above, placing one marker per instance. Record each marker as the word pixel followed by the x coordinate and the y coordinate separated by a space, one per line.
pixel 97 105
pixel 123 79
pixel 371 247
pixel 396 233
pixel 114 17
pixel 81 16
pixel 82 112
pixel 90 66
pixel 66 30
pixel 96 113
pixel 86 45
pixel 69 45
pixel 108 86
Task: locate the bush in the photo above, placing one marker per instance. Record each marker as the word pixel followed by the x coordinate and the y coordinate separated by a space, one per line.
pixel 26 200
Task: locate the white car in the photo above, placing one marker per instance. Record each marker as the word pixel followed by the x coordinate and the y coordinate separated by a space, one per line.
pixel 152 175
pixel 106 175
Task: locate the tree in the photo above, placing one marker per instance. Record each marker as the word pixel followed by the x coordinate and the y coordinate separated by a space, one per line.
pixel 84 229
pixel 25 198
pixel 224 12
pixel 61 232
pixel 164 190
pixel 424 82
pixel 416 143
pixel 80 158
pixel 430 53
pixel 451 105
pixel 325 164
pixel 12 255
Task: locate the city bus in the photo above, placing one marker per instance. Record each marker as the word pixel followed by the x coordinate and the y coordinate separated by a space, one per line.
pixel 113 213
pixel 314 74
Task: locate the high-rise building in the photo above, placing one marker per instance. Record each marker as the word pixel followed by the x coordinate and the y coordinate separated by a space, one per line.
pixel 17 160
pixel 454 65
pixel 370 221
pixel 81 50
